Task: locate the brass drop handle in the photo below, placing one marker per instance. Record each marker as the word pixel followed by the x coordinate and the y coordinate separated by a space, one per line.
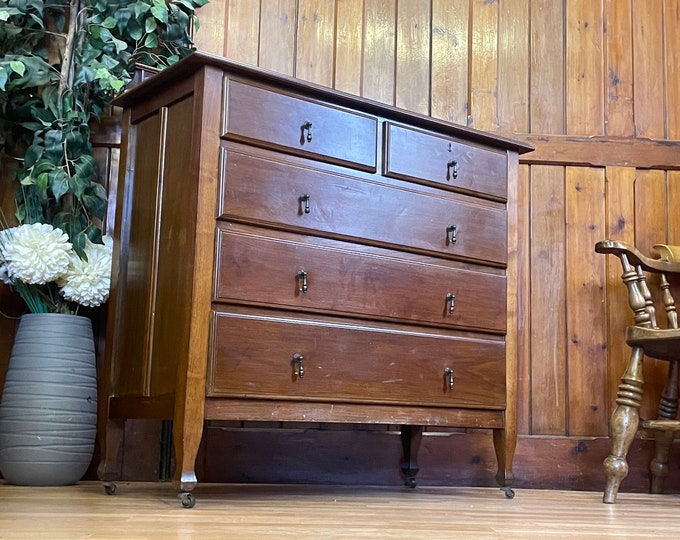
pixel 304 201
pixel 452 230
pixel 307 126
pixel 298 366
pixel 451 300
pixel 452 169
pixel 302 278
pixel 448 375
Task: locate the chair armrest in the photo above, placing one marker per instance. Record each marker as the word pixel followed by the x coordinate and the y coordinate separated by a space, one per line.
pixel 636 258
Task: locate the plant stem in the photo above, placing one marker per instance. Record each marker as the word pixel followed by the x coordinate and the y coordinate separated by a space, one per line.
pixel 67 66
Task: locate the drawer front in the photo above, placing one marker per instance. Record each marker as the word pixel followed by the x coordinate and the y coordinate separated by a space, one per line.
pixel 255 356
pixel 417 156
pixel 279 194
pixel 295 125
pixel 289 271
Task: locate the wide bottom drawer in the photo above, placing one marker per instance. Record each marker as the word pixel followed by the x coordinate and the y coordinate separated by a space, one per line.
pixel 281 356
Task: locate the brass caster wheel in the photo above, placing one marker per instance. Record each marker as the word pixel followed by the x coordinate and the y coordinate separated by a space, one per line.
pixel 110 488
pixel 411 482
pixel 509 492
pixel 188 500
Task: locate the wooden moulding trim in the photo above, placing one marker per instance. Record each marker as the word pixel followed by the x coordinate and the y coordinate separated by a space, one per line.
pixel 160 407
pixel 640 153
pixel 283 411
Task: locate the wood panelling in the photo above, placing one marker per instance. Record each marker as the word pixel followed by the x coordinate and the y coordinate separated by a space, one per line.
pixel 593 84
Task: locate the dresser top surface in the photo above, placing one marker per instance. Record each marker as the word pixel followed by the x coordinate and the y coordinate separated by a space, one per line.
pixel 200 60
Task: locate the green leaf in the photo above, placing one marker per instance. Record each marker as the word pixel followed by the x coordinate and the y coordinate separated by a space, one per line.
pixel 151 41
pixel 150 25
pixel 58 183
pixel 160 10
pixel 109 22
pixel 42 180
pixel 54 149
pixel 18 67
pixel 94 205
pixel 117 85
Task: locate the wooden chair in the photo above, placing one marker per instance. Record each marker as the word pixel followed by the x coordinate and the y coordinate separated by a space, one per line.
pixel 646 339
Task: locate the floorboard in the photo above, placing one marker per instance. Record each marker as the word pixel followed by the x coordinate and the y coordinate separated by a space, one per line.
pixel 153 511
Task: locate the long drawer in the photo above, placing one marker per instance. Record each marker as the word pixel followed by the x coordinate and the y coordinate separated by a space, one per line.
pixel 425 157
pixel 299 126
pixel 335 277
pixel 266 356
pixel 282 194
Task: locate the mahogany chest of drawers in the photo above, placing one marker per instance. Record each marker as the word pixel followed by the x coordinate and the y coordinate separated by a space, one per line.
pixel 287 252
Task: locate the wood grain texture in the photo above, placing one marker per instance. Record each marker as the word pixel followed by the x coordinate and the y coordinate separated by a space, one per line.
pixel 547 302
pixel 315 52
pixel 619 68
pixel 648 67
pixel 210 35
pixel 547 75
pixel 584 68
pixel 523 233
pixel 584 76
pixel 671 31
pixel 243 27
pixel 148 511
pixel 483 106
pixel 349 45
pixel 278 35
pixel 450 29
pixel 412 77
pixel 513 66
pixel 379 52
pixel 586 350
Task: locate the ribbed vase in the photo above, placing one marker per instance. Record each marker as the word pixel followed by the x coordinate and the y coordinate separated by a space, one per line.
pixel 48 413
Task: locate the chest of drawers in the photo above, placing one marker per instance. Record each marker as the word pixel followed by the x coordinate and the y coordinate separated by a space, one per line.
pixel 286 252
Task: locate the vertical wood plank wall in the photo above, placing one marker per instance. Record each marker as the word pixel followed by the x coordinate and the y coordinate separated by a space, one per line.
pixel 593 84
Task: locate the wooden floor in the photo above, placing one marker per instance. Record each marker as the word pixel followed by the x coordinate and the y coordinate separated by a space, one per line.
pixel 153 511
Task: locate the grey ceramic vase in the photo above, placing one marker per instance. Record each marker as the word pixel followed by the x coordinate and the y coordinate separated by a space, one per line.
pixel 48 413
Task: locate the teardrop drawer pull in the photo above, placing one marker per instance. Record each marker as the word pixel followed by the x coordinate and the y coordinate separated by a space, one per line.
pixel 304 202
pixel 451 301
pixel 298 366
pixel 450 380
pixel 452 230
pixel 302 278
pixel 307 126
pixel 452 170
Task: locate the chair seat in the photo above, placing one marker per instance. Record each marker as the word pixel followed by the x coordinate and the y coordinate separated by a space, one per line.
pixel 660 343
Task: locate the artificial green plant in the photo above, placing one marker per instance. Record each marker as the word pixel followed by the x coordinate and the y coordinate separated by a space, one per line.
pixel 61 64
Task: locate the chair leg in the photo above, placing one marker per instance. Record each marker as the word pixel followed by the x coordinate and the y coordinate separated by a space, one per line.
pixel 624 424
pixel 668 410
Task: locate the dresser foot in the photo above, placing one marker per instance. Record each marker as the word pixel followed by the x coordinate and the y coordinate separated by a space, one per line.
pixel 188 500
pixel 509 492
pixel 411 437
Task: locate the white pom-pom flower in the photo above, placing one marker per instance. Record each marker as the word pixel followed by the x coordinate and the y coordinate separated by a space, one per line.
pixel 35 253
pixel 88 282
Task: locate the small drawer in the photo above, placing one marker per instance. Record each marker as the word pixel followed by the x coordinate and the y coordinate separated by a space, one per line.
pixel 260 356
pixel 332 277
pixel 273 193
pixel 299 126
pixel 417 156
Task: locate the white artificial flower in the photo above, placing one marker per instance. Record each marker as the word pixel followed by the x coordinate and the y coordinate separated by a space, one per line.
pixel 35 253
pixel 4 276
pixel 88 282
